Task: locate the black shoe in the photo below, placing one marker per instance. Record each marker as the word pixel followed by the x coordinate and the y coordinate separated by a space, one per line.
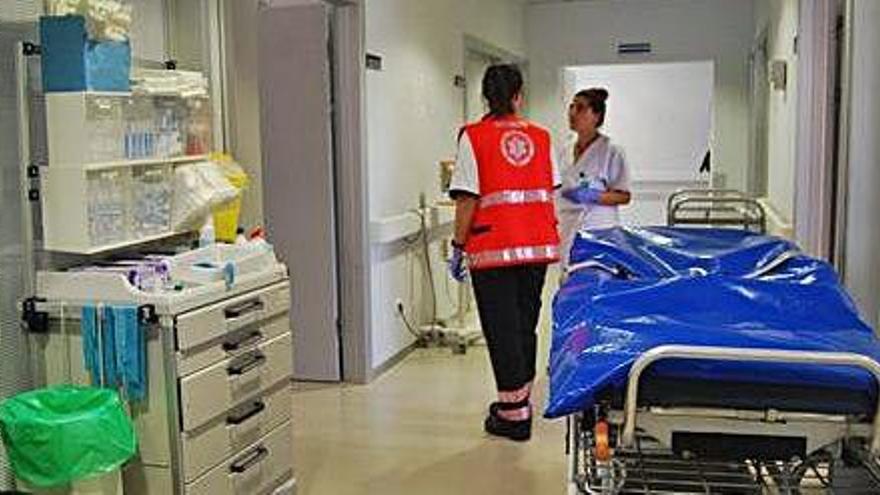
pixel 519 431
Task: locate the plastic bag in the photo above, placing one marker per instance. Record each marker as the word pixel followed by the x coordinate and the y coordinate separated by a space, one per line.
pixel 59 435
pixel 199 188
pixel 226 215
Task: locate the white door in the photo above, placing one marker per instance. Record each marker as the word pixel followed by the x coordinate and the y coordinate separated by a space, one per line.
pixel 475 67
pixel 661 114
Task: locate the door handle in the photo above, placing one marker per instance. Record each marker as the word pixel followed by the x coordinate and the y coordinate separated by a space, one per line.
pixel 247 363
pixel 256 408
pixel 250 460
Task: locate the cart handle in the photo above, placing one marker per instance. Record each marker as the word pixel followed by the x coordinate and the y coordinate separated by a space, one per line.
pixel 741 354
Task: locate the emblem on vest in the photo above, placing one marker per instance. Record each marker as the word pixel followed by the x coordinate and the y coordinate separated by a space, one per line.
pixel 517 148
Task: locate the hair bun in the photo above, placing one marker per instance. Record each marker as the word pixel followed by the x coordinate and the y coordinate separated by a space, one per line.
pixel 602 93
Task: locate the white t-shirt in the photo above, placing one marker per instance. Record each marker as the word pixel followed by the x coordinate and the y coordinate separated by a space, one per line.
pixel 466 177
pixel 603 165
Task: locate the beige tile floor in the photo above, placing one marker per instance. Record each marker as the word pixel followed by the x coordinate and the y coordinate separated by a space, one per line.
pixel 417 430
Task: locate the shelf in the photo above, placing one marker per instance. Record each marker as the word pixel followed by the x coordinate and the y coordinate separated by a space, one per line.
pixel 147 161
pixel 101 94
pixel 88 197
pixel 132 242
pixel 107 248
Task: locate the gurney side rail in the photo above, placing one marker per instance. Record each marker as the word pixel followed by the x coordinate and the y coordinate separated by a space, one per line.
pixel 741 354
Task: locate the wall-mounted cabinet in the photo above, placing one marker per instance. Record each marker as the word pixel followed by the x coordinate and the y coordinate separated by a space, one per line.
pixel 110 181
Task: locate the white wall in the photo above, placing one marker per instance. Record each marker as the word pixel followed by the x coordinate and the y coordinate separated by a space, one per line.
pixel 780 19
pixel 586 33
pixel 413 113
pixel 862 229
pixel 148 30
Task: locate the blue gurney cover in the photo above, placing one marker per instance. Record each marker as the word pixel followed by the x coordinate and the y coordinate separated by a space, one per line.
pixel 711 287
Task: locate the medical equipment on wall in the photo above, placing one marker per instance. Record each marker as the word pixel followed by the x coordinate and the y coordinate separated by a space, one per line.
pixel 707 360
pixel 447 167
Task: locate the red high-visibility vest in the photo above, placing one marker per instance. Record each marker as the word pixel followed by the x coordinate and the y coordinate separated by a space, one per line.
pixel 515 221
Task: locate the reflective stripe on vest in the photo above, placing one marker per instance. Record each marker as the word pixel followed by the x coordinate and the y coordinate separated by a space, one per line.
pixel 516 197
pixel 513 256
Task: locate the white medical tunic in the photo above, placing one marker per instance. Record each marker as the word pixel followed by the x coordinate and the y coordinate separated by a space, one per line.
pixel 603 165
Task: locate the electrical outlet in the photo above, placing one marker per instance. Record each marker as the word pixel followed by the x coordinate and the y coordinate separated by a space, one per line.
pixel 398 305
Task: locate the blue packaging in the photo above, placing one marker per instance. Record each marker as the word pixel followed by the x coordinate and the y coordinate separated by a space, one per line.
pixel 73 62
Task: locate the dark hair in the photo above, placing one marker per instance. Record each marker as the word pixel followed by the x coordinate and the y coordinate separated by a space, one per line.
pixel 596 98
pixel 501 84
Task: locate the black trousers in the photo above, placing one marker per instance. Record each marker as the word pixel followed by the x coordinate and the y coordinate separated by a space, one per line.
pixel 509 304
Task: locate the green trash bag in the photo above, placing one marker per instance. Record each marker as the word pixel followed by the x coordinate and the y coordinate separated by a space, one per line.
pixel 59 435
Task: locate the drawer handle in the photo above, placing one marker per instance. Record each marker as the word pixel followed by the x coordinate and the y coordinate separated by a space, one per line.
pixel 249 461
pixel 242 341
pixel 257 407
pixel 251 362
pixel 243 309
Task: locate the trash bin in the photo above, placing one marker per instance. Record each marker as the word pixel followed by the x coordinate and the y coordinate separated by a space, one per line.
pixel 68 436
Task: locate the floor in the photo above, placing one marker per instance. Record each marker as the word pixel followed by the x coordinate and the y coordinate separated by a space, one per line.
pixel 417 430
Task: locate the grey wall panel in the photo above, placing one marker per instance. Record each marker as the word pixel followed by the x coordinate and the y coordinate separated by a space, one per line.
pixel 298 177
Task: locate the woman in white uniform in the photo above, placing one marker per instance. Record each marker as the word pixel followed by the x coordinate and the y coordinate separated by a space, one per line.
pixel 595 178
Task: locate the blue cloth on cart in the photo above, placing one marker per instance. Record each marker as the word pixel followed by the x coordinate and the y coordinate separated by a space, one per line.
pixel 114 349
pixel 697 287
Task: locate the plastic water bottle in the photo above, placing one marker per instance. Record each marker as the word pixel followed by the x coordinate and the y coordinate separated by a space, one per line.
pixel 207 236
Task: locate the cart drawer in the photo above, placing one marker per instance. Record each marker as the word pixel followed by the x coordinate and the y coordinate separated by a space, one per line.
pixel 254 471
pixel 213 391
pixel 243 425
pixel 206 324
pixel 232 344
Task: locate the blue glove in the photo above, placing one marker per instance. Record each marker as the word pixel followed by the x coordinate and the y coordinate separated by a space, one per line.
pixel 583 195
pixel 457 268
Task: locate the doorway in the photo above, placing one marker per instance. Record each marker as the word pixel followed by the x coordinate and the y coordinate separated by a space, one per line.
pixel 665 135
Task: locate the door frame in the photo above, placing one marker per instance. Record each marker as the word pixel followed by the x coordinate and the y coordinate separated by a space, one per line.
pixel 816 127
pixel 352 196
pixel 473 45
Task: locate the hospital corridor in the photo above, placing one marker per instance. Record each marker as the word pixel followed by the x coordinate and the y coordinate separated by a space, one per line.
pixel 439 247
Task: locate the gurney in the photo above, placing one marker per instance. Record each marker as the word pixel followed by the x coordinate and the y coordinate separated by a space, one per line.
pixel 701 360
pixel 716 208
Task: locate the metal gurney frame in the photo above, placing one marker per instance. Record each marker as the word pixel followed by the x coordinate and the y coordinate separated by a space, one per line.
pixel 716 208
pixel 842 451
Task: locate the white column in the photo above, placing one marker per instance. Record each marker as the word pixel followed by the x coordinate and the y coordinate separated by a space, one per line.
pixel 862 248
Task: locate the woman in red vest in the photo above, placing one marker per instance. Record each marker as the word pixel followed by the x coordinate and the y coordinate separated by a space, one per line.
pixel 505 236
